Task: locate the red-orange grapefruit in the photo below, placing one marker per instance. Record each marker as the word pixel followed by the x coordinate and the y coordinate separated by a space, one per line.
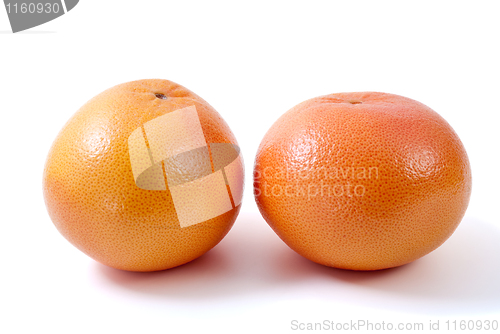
pixel 362 181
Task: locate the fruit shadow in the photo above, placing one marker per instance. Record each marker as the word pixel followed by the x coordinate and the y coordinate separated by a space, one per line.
pixel 460 277
pixel 250 260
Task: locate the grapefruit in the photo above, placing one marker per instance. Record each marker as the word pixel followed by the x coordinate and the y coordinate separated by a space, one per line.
pixel 362 181
pixel 145 176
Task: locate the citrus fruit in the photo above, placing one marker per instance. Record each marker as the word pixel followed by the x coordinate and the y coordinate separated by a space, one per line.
pixel 145 176
pixel 362 181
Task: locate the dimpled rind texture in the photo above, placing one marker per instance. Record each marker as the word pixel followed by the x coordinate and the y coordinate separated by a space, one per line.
pixel 89 186
pixel 362 181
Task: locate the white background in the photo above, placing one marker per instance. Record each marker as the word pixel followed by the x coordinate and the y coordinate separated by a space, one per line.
pixel 251 61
